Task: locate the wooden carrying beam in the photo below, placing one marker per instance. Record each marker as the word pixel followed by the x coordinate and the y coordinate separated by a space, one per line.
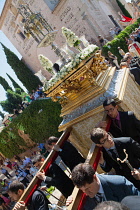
pixel 93 158
pixel 77 194
pixel 49 160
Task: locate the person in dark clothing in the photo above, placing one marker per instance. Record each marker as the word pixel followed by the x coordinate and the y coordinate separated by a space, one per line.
pixel 69 154
pixel 131 61
pixel 5 172
pixel 102 41
pixel 38 200
pixel 17 158
pixel 21 176
pixel 55 177
pixel 136 72
pixel 123 124
pixel 114 148
pixel 2 203
pixel 100 187
pixel 134 65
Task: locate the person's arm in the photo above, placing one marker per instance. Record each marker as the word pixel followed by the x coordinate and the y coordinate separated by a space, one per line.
pixel 136 174
pixel 46 179
pixel 69 200
pixel 57 148
pixel 19 206
pixel 104 163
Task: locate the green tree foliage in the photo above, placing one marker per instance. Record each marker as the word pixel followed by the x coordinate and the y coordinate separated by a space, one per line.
pixel 120 41
pixel 12 102
pixel 2 114
pixel 15 85
pixel 124 11
pixel 24 74
pixel 40 120
pixel 5 84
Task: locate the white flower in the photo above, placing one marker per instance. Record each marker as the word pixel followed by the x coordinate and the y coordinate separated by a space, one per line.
pixel 71 65
pixel 46 63
pixel 71 38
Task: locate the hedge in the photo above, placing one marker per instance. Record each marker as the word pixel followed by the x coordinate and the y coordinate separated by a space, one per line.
pixel 40 120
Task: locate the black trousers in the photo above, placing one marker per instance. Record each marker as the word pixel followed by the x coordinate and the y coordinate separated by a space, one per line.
pixel 25 181
pixel 7 174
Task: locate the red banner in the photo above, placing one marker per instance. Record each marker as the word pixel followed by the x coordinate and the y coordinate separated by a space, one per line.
pixel 125 19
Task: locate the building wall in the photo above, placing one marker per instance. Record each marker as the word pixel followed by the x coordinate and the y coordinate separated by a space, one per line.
pixel 84 17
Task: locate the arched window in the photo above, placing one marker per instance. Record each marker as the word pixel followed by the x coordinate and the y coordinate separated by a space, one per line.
pixel 52 3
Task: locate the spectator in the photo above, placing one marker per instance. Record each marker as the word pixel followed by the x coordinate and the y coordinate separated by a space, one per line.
pixel 8 164
pixel 16 112
pixel 117 30
pixel 112 32
pixel 18 158
pixel 134 64
pixel 36 95
pixel 21 176
pixel 122 53
pixel 123 65
pixel 6 173
pixel 113 59
pixel 102 41
pixel 26 160
pixel 134 48
pixel 21 107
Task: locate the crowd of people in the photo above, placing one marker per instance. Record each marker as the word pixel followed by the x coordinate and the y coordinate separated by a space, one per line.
pixel 36 94
pixel 131 59
pixel 110 189
pixel 23 170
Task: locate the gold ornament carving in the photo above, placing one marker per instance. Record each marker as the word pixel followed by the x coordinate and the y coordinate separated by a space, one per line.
pixel 73 86
pixel 97 66
pixel 63 101
pixel 66 90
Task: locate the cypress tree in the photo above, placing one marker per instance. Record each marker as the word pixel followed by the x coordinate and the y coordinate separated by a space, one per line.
pixel 2 114
pixel 5 84
pixel 124 11
pixel 14 83
pixel 24 74
pixel 12 102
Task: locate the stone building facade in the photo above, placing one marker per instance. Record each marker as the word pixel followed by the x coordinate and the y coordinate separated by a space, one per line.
pixel 84 17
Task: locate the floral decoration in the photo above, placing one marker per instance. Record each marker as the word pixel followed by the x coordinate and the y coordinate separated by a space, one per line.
pixel 46 63
pixel 71 38
pixel 84 54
